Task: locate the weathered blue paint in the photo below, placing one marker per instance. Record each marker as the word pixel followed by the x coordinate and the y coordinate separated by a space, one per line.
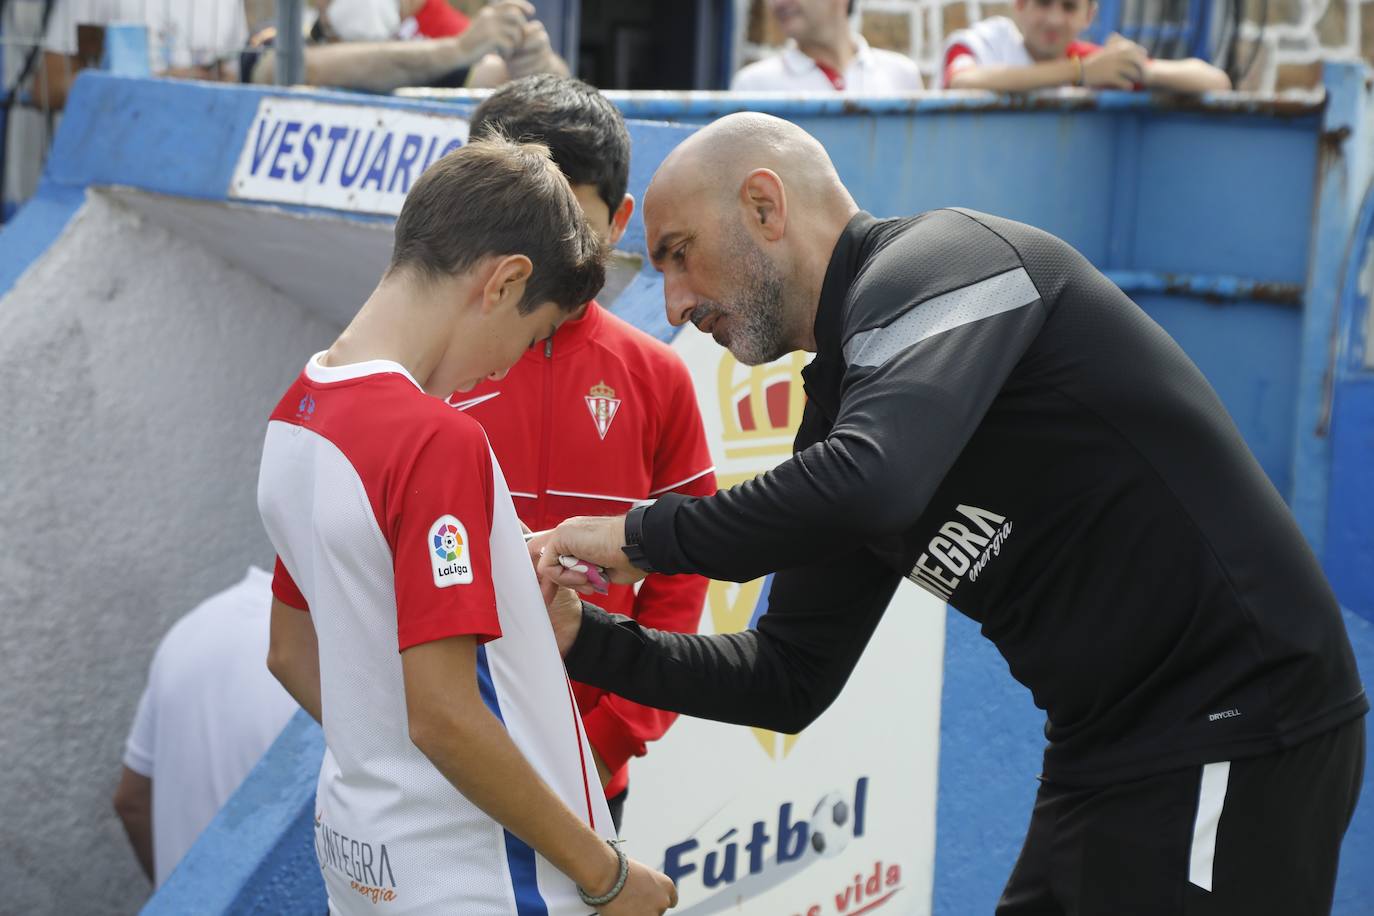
pixel 1350 521
pixel 1342 177
pixel 258 855
pixel 34 227
pixel 125 51
pixel 1212 287
pixel 1350 529
pixel 701 107
pixel 991 741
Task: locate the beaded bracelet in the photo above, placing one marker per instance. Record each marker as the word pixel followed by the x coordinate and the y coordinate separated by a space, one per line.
pixel 610 895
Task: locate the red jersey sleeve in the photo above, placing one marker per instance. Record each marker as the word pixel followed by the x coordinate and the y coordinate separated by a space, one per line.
pixel 284 588
pixel 954 56
pixel 441 538
pixel 437 19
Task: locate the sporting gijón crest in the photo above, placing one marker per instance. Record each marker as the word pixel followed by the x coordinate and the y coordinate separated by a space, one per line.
pixel 603 404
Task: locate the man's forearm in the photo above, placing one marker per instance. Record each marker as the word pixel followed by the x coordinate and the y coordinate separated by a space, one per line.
pixel 373 66
pixel 1190 75
pixel 781 675
pixel 695 675
pixel 1018 79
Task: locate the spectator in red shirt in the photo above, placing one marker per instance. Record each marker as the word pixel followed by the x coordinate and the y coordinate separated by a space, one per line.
pixel 599 416
pixel 1040 49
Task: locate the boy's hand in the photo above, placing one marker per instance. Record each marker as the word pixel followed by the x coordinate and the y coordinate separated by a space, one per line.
pixel 1119 64
pixel 645 891
pixel 534 52
pixel 564 606
pixel 565 615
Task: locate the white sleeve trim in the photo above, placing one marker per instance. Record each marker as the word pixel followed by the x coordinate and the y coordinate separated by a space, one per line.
pixel 682 483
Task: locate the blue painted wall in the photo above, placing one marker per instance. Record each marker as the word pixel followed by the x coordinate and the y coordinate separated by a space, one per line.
pixel 1350 530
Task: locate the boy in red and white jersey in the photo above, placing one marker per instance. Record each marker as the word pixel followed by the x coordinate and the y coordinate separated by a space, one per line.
pixel 406 616
pixel 600 416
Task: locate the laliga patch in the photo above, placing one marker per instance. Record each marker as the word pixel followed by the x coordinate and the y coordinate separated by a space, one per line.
pixel 449 552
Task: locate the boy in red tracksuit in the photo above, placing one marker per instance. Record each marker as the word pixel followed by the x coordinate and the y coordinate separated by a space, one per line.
pixel 600 415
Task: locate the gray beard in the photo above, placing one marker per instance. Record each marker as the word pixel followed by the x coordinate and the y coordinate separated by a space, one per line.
pixel 757 332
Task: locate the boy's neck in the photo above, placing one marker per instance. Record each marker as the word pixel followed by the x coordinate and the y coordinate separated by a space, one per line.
pixel 833 51
pixel 402 322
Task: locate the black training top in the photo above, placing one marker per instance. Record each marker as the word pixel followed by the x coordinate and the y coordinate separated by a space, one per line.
pixel 992 418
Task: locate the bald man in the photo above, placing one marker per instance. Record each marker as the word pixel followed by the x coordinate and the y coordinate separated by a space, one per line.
pixel 989 417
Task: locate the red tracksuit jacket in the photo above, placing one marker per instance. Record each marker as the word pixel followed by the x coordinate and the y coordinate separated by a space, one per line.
pixel 588 423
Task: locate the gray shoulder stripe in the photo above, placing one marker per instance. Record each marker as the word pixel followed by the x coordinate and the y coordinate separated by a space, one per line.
pixel 993 296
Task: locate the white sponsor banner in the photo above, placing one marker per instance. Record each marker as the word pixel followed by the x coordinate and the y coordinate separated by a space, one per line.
pixel 343 157
pixel 840 819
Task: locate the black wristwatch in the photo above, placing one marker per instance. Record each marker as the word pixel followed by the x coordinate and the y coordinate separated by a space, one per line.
pixel 634 539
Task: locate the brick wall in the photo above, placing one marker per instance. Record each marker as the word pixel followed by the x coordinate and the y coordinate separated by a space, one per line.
pixel 1297 36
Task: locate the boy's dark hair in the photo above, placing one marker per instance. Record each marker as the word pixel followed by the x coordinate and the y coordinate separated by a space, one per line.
pixel 580 126
pixel 499 197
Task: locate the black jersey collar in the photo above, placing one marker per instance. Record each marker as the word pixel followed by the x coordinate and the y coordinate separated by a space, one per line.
pixel 823 376
pixel 848 256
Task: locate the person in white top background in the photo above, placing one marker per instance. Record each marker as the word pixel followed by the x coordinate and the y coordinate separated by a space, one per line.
pixel 825 54
pixel 209 712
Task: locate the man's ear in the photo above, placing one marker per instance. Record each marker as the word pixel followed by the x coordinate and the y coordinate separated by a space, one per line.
pixel 620 220
pixel 1092 13
pixel 765 201
pixel 506 284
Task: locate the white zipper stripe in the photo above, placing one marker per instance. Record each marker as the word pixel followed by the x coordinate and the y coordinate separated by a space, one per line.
pixel 618 499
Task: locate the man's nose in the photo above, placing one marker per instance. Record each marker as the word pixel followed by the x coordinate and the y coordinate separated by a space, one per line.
pixel 678 301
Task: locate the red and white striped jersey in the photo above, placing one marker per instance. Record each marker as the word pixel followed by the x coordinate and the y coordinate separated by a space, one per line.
pixel 394 527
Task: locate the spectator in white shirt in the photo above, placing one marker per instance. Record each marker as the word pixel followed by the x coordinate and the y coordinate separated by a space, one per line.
pixel 823 54
pixel 1039 48
pixel 210 710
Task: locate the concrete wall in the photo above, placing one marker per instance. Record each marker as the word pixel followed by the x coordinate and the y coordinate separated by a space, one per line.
pixel 137 371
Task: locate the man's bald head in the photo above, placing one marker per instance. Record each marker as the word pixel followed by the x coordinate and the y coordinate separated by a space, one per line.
pixel 717 158
pixel 741 218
